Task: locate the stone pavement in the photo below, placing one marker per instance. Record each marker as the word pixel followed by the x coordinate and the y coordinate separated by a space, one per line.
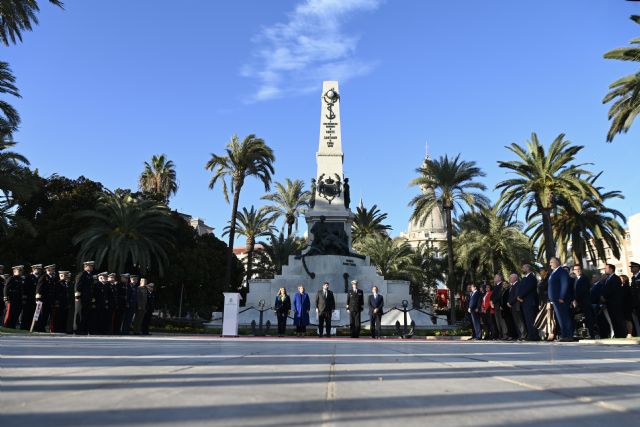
pixel 188 381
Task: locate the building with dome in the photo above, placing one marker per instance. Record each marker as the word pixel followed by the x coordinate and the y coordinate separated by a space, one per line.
pixel 433 233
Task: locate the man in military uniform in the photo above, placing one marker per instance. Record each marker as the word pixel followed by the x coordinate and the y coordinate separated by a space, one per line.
pixel 13 297
pixel 29 296
pixel 45 294
pixel 151 302
pixel 110 299
pixel 132 298
pixel 83 291
pixel 99 305
pixel 121 303
pixel 355 305
pixel 61 303
pixel 141 304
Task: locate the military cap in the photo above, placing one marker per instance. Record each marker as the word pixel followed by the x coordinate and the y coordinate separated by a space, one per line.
pixel 112 275
pixel 64 272
pixel 127 275
pixel 20 267
pixel 1 266
pixel 634 264
pixel 134 275
pixel 36 266
pixel 104 273
pixel 88 263
pixel 50 266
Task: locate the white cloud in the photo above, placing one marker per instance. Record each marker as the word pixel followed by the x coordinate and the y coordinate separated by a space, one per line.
pixel 292 57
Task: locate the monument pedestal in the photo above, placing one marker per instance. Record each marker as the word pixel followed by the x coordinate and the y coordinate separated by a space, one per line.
pixel 329 256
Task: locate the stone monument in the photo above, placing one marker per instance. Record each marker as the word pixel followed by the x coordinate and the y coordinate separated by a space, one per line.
pixel 329 255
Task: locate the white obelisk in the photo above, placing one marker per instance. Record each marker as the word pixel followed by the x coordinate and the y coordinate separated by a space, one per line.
pixel 330 179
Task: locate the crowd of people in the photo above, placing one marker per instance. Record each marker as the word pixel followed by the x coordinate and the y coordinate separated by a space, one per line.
pixel 46 300
pixel 562 303
pixel 558 303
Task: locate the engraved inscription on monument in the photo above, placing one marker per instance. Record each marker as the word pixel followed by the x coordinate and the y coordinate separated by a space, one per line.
pixel 331 97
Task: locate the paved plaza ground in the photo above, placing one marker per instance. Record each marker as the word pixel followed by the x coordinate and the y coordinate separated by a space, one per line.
pixel 121 381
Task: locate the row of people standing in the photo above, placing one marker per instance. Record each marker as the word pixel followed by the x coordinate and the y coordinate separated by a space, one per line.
pixel 325 306
pixel 507 309
pixel 608 304
pixel 102 304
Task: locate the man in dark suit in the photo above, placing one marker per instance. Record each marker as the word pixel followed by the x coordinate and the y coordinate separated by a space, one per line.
pixel 582 298
pixel 528 299
pixel 635 295
pixel 474 311
pixel 559 295
pixel 376 310
pixel 355 305
pixel 613 298
pixel 496 299
pixel 325 304
pixel 516 308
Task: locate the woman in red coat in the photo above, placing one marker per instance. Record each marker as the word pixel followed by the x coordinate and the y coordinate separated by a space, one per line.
pixel 488 314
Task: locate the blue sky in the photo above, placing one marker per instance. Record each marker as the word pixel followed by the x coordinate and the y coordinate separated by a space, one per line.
pixel 107 84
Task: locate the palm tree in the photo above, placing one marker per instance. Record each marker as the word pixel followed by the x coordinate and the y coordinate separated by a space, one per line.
pixel 159 177
pixel 12 165
pixel 276 253
pixel 290 200
pixel 393 258
pixel 625 91
pixel 491 241
pixel 250 157
pixel 587 231
pixel 368 222
pixel 432 271
pixel 17 16
pixel 124 232
pixel 252 224
pixel 542 179
pixel 10 119
pixel 449 184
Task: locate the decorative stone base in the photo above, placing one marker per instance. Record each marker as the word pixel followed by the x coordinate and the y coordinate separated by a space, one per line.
pixel 339 271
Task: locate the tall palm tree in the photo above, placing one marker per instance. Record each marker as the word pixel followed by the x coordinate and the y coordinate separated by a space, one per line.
pixel 125 232
pixel 491 241
pixel 9 119
pixel 587 231
pixel 368 222
pixel 625 92
pixel 249 157
pixel 543 177
pixel 252 224
pixel 290 200
pixel 17 16
pixel 159 177
pixel 449 184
